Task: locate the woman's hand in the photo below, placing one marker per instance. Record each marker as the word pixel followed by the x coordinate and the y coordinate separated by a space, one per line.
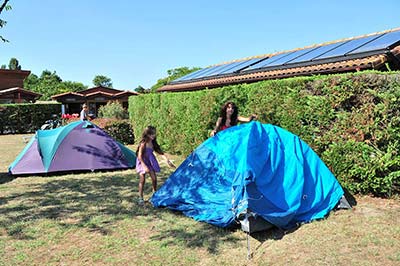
pixel 213 133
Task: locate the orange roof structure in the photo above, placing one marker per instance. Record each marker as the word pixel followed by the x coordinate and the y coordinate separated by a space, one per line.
pixel 371 51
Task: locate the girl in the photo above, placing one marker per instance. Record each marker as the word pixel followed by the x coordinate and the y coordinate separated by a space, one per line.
pixel 229 117
pixel 146 162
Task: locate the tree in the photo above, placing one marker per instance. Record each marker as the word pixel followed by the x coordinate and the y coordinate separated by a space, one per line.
pixel 172 75
pixel 70 86
pixel 3 67
pixel 140 89
pixel 6 7
pixel 31 81
pixel 49 84
pixel 14 64
pixel 101 80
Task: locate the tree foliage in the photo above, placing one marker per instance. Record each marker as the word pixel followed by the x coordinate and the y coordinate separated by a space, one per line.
pixel 4 6
pixel 14 64
pixel 113 110
pixel 172 75
pixel 49 84
pixel 103 81
pixel 140 89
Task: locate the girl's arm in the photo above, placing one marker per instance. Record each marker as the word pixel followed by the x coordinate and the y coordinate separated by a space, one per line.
pixel 158 150
pixel 168 161
pixel 140 157
pixel 247 119
pixel 217 126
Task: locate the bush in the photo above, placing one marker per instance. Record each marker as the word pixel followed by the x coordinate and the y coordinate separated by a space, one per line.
pixel 113 109
pixel 121 130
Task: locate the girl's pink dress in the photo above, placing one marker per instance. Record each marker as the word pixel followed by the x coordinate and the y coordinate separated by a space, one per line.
pixel 150 161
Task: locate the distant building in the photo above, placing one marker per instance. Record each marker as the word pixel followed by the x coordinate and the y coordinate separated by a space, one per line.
pixel 11 87
pixel 378 51
pixel 94 97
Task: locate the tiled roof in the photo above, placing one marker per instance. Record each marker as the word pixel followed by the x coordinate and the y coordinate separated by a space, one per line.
pixel 100 88
pixel 67 94
pixel 18 89
pixel 348 63
pixel 122 93
pixel 372 62
pixel 100 93
pixel 108 92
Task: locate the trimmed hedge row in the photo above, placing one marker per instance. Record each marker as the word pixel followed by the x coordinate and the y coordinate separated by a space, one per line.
pixel 351 120
pixel 25 118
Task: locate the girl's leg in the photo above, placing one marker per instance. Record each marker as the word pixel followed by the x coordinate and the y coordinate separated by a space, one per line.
pixel 141 185
pixel 153 180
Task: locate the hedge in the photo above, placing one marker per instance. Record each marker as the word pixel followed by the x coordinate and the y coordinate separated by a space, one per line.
pixel 351 120
pixel 25 118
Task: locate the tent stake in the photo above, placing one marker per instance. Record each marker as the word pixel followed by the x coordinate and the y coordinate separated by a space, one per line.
pixel 248 246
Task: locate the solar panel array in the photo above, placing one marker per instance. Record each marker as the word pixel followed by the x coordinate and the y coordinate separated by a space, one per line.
pixel 342 50
pixel 229 68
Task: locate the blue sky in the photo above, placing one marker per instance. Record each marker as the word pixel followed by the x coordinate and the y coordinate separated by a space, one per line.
pixel 135 42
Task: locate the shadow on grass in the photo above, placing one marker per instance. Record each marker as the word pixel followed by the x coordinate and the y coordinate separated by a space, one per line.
pixel 200 235
pixel 211 237
pixel 92 200
pixel 95 202
pixel 5 178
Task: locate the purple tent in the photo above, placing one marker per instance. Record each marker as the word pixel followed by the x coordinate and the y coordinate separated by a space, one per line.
pixel 78 146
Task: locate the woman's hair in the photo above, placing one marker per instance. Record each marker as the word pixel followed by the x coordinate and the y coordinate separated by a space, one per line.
pixel 150 130
pixel 234 116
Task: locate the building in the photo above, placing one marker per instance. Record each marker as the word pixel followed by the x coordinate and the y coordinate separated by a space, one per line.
pixel 378 51
pixel 93 97
pixel 11 87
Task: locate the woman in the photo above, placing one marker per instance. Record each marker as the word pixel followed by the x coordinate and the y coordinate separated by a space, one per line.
pixel 229 117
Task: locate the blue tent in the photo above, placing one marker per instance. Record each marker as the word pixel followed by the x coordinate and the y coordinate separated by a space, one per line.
pixel 252 168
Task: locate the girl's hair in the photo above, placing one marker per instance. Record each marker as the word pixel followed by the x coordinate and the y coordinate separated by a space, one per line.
pixel 150 130
pixel 234 116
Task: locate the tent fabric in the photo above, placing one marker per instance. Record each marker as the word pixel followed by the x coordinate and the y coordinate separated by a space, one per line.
pixel 78 146
pixel 253 167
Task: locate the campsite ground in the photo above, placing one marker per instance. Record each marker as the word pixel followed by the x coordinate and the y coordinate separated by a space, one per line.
pixel 93 219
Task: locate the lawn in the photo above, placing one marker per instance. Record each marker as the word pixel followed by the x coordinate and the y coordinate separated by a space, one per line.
pixel 93 219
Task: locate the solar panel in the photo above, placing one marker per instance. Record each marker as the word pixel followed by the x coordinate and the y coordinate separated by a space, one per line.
pixel 346 47
pixel 189 76
pixel 206 70
pixel 383 42
pixel 291 56
pixel 243 65
pixel 222 68
pixel 372 44
pixel 218 70
pixel 316 52
pixel 268 61
pixel 211 70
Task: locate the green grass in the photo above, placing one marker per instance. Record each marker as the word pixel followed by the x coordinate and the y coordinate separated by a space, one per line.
pixel 93 219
